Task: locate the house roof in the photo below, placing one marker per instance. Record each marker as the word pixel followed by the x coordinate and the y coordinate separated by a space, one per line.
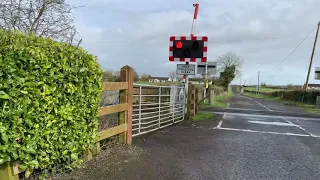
pixel 159 78
pixel 201 79
pixel 314 85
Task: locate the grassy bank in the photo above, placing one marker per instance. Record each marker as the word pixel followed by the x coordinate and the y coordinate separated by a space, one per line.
pixel 159 83
pixel 203 116
pixel 220 101
pixel 264 89
pixel 307 107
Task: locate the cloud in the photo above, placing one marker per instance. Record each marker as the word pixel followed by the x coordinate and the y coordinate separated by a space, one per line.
pixel 262 32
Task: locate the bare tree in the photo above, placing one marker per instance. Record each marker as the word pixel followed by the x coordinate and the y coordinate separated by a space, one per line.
pixel 172 74
pixel 228 60
pixel 144 77
pixel 111 76
pixel 48 18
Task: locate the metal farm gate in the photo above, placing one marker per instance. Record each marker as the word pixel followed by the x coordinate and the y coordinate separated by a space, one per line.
pixel 156 107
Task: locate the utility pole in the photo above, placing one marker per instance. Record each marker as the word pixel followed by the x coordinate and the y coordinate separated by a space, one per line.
pixel 258 82
pixel 205 82
pixel 314 47
pixel 195 15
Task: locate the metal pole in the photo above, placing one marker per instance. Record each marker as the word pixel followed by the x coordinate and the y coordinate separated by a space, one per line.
pixel 173 107
pixel 314 47
pixel 159 106
pixel 205 83
pixel 195 15
pixel 192 34
pixel 258 82
pixel 140 99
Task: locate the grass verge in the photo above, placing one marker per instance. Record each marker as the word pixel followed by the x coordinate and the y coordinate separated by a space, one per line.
pixel 158 84
pixel 263 89
pixel 203 116
pixel 307 107
pixel 262 96
pixel 219 101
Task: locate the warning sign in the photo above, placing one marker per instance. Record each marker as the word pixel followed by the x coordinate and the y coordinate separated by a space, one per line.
pixel 183 69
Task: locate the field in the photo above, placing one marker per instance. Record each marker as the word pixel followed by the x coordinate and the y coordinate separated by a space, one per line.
pixel 200 116
pixel 306 107
pixel 220 101
pixel 263 89
pixel 157 84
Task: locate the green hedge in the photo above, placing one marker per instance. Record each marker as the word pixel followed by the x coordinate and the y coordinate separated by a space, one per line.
pixel 308 97
pixel 49 98
pixel 217 89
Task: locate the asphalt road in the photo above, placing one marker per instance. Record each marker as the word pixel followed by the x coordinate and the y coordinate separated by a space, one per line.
pixel 237 146
pixel 246 145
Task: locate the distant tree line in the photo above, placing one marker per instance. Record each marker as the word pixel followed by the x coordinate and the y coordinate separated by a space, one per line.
pixel 114 76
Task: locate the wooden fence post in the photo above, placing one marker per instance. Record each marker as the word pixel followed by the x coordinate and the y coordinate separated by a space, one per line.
pixel 196 100
pixel 211 96
pixel 6 172
pixel 192 99
pixel 126 96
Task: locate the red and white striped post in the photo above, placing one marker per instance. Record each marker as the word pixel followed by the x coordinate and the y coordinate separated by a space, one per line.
pixel 195 15
pixel 193 28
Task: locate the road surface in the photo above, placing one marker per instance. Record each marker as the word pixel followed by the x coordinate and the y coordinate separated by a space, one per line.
pixel 250 140
pixel 246 145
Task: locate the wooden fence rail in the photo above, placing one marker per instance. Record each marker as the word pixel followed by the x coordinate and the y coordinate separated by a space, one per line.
pixel 10 171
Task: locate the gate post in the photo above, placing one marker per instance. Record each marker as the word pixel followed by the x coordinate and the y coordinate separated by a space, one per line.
pixel 126 96
pixel 6 172
pixel 196 100
pixel 211 96
pixel 188 95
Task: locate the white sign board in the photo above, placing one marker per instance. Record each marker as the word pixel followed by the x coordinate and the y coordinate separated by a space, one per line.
pixel 317 73
pixel 183 69
pixel 212 68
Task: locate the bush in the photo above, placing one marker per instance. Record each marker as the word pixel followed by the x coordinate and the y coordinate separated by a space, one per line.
pixel 49 98
pixel 217 89
pixel 308 97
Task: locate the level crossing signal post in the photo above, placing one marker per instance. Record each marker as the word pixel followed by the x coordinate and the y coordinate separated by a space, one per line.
pixel 189 48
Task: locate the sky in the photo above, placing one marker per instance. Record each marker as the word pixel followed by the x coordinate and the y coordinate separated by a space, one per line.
pixel 262 32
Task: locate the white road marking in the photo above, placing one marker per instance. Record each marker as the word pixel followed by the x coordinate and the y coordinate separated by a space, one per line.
pixel 312 135
pixel 219 125
pixel 224 115
pixel 247 97
pixel 263 106
pixel 246 109
pixel 259 103
pixel 289 123
pixel 273 123
pixel 264 132
pixel 268 116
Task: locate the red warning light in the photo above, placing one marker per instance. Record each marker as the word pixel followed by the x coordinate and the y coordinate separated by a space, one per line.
pixel 179 44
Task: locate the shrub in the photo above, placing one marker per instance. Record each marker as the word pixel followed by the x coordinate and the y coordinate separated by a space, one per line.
pixel 49 98
pixel 217 89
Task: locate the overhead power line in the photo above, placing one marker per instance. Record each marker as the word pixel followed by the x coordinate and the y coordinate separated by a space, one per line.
pixel 292 50
pixel 213 42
